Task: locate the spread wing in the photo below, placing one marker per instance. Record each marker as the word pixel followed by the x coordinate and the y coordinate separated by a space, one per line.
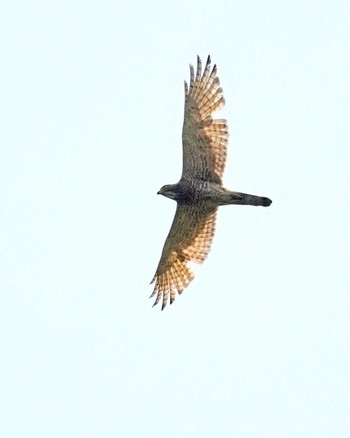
pixel 189 239
pixel 204 139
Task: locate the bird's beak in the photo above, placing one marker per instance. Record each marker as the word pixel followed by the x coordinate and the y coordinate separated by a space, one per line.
pixel 158 193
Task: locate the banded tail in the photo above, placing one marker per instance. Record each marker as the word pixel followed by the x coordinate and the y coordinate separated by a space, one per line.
pixel 246 199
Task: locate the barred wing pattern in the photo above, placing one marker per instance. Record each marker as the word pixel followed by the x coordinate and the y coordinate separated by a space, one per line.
pixel 204 156
pixel 189 239
pixel 204 139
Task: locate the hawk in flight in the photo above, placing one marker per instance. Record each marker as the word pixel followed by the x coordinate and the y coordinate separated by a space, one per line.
pixel 200 191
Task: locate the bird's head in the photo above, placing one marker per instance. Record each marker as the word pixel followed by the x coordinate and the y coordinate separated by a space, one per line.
pixel 169 191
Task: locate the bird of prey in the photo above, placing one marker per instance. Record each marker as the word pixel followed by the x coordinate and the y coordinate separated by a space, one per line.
pixel 200 191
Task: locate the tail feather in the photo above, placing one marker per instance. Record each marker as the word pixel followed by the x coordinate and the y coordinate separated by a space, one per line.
pixel 246 199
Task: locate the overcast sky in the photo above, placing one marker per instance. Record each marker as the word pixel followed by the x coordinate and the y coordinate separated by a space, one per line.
pixel 91 117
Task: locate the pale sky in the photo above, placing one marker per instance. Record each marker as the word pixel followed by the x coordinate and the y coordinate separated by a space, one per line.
pixel 91 108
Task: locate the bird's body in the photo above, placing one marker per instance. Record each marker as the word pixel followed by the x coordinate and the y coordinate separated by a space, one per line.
pixel 194 192
pixel 200 191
